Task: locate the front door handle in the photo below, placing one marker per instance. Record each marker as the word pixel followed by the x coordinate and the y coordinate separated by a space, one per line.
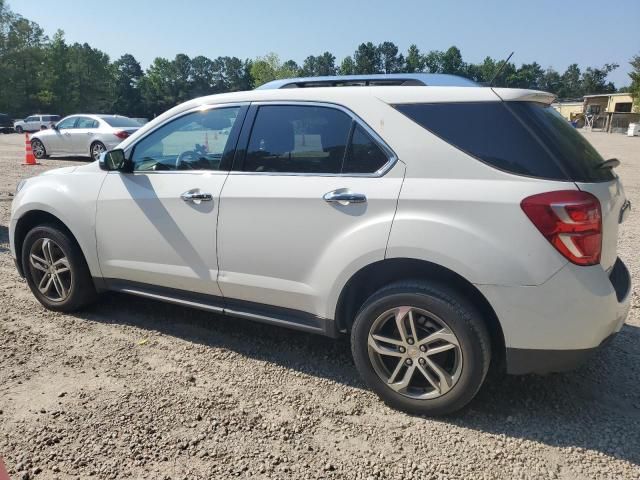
pixel 195 196
pixel 344 196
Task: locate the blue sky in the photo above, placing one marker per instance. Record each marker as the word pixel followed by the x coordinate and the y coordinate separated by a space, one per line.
pixel 553 33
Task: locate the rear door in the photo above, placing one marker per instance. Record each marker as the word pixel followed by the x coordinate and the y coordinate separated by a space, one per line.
pixel 32 123
pixel 82 135
pixel 308 179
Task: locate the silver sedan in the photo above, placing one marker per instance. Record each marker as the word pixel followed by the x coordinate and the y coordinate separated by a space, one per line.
pixel 83 135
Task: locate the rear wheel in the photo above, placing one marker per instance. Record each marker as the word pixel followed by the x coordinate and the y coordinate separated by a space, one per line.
pixel 38 149
pixel 55 269
pixel 96 150
pixel 421 347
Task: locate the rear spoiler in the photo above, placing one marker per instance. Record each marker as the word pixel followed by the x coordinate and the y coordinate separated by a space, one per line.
pixel 523 95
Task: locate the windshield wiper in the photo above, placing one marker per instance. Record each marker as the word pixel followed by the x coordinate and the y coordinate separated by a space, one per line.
pixel 611 163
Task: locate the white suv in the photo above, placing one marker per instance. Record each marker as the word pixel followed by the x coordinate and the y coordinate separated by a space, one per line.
pixel 35 123
pixel 444 226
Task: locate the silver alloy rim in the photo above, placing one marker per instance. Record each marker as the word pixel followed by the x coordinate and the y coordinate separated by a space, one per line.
pixel 50 270
pixel 38 149
pixel 98 148
pixel 415 353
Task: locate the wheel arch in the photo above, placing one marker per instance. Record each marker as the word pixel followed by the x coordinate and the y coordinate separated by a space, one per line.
pixel 27 222
pixel 376 275
pixel 32 219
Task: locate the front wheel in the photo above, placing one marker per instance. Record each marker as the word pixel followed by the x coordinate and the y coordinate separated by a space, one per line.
pixel 19 129
pixel 96 150
pixel 55 269
pixel 421 347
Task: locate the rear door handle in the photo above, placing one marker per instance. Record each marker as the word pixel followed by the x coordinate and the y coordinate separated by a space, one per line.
pixel 344 196
pixel 196 196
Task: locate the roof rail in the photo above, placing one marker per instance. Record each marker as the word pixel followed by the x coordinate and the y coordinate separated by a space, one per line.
pixel 381 79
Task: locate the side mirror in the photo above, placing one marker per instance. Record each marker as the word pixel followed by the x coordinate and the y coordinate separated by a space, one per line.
pixel 54 126
pixel 113 160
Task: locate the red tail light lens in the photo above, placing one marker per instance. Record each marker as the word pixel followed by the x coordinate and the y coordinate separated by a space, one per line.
pixel 122 134
pixel 572 222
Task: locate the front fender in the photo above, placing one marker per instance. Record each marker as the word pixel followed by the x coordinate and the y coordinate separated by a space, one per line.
pixel 71 198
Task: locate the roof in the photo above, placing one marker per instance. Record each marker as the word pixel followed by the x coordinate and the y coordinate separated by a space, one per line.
pixel 387 79
pixel 352 98
pixel 609 95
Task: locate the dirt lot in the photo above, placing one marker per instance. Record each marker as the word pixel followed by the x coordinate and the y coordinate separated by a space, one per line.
pixel 137 389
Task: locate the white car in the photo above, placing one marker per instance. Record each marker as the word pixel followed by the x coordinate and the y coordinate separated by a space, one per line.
pixel 444 226
pixel 83 135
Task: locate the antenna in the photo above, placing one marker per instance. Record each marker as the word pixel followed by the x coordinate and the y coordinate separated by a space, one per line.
pixel 500 69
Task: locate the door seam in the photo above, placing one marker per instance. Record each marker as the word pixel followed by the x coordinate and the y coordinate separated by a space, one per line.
pixel 395 212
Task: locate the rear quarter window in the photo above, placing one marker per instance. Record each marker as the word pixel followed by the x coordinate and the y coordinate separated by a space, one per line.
pixel 522 138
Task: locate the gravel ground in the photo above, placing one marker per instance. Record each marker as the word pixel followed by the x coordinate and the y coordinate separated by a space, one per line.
pixel 137 389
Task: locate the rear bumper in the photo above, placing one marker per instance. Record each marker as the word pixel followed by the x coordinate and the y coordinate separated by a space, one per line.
pixel 557 325
pixel 521 361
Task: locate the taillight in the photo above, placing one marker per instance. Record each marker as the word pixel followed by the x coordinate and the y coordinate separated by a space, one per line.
pixel 122 134
pixel 571 220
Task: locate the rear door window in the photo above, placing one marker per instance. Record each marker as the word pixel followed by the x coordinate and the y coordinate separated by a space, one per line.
pixel 310 139
pixel 297 139
pixel 364 155
pixel 86 122
pixel 523 138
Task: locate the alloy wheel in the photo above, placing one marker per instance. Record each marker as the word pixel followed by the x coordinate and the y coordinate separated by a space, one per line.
pixel 96 150
pixel 415 353
pixel 50 270
pixel 38 149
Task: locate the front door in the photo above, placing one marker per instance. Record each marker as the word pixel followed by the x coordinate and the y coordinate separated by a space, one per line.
pixel 157 224
pixel 308 196
pixel 59 140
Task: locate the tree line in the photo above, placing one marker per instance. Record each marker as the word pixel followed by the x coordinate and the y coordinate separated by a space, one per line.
pixel 42 74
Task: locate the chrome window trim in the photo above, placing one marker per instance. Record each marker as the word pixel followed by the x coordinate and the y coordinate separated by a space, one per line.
pixel 391 155
pixel 199 108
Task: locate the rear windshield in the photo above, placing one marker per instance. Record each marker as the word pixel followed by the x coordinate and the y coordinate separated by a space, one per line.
pixel 523 138
pixel 121 122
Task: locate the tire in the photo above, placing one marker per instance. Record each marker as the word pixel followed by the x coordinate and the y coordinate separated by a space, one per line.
pixel 460 351
pixel 74 275
pixel 38 149
pixel 19 129
pixel 43 127
pixel 96 147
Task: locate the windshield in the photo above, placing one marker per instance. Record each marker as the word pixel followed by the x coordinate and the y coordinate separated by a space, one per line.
pixel 121 122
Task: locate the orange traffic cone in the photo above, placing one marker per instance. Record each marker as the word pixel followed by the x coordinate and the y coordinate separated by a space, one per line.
pixel 3 471
pixel 29 159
